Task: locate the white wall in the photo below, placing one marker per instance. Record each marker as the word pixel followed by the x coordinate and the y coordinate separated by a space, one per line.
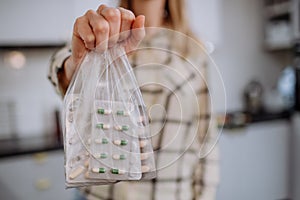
pixel 31 91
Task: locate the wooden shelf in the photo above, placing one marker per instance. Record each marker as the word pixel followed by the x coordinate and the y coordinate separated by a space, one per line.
pixel 278 46
pixel 278 10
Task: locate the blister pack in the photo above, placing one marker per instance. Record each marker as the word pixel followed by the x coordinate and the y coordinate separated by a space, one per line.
pixel 105 123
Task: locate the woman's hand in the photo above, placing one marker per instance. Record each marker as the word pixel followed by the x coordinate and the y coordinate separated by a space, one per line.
pixel 101 29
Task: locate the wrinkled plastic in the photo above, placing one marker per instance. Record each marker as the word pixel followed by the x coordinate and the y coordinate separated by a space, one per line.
pixel 106 126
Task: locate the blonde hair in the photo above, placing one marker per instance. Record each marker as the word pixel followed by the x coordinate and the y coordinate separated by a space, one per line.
pixel 175 18
pixel 175 12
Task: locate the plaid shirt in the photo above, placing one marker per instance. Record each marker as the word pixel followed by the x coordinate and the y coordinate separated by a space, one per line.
pixel 175 92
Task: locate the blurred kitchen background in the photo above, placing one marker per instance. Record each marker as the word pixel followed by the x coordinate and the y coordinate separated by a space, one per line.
pixel 254 45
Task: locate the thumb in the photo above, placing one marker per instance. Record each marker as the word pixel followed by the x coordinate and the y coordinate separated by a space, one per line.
pixel 137 33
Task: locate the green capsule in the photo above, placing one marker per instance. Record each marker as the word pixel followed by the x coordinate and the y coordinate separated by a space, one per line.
pixel 104 141
pixel 103 155
pixel 99 170
pixel 114 171
pixel 99 126
pixel 122 157
pixel 101 111
pixel 125 128
pixel 124 142
pixel 117 171
pixel 120 112
pixel 102 170
pixel 122 128
pixel 102 126
pixel 119 157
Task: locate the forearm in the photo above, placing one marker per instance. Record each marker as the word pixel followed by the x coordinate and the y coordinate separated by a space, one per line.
pixel 63 76
pixel 57 68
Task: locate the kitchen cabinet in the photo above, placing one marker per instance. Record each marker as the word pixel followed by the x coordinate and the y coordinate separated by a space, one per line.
pixel 255 162
pixel 281 23
pixel 296 156
pixel 37 176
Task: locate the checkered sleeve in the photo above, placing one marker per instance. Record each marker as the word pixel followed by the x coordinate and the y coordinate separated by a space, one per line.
pixel 56 64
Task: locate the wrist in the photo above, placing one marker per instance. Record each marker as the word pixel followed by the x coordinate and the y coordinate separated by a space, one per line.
pixel 68 69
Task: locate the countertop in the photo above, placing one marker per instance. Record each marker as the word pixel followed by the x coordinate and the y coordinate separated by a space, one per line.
pixel 30 145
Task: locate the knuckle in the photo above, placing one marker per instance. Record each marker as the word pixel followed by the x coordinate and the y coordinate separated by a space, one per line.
pixel 128 16
pixel 90 12
pixel 89 38
pixel 101 7
pixel 101 27
pixel 78 22
pixel 113 14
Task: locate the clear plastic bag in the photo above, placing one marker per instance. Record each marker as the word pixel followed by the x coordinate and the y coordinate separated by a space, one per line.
pixel 106 126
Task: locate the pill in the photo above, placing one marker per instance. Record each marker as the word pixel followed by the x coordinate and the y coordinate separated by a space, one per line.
pixel 120 142
pixel 145 168
pixel 103 155
pixel 122 128
pixel 76 172
pixel 103 126
pixel 117 171
pixel 97 155
pixel 122 113
pixel 119 157
pixel 100 155
pixel 117 142
pixel 100 170
pixel 101 141
pixel 143 143
pixel 104 141
pixel 124 142
pixel 144 156
pixel 86 163
pixel 103 111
